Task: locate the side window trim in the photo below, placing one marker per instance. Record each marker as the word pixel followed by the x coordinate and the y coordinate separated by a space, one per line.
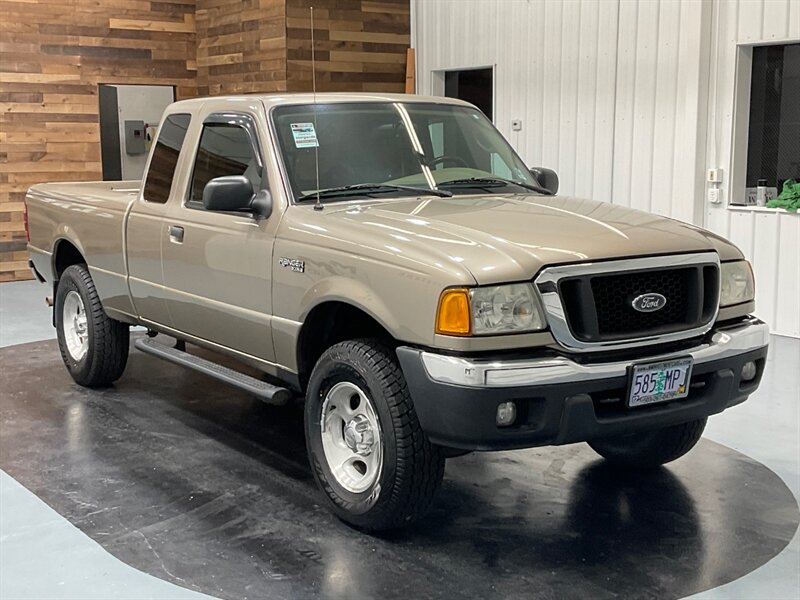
pixel 240 119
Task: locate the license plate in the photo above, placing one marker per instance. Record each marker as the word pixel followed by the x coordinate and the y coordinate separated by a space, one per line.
pixel 659 382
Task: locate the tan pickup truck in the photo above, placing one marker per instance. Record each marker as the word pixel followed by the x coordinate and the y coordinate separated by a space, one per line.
pixel 391 261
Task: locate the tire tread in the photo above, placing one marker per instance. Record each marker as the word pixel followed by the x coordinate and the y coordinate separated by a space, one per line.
pixel 109 341
pixel 419 467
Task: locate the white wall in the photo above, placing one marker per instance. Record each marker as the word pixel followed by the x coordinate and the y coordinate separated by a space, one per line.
pixel 620 98
pixel 554 69
pixel 770 240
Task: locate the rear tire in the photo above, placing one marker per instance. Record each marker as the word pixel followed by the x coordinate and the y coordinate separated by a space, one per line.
pixel 650 449
pixel 93 346
pixel 367 450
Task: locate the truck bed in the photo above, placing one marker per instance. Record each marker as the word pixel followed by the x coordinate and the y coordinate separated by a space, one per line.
pixel 91 217
pixel 90 192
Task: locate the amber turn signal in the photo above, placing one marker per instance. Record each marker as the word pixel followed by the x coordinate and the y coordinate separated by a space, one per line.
pixel 453 316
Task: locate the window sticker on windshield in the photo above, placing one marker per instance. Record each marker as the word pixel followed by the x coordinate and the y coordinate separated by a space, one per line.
pixel 304 135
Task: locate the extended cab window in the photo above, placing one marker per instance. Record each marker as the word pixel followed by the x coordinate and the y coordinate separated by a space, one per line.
pixel 158 183
pixel 225 149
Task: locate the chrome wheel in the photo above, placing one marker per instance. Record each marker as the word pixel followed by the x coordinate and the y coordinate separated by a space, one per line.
pixel 73 321
pixel 351 437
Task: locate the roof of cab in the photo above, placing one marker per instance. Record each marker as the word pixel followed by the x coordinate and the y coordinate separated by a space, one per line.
pixel 278 98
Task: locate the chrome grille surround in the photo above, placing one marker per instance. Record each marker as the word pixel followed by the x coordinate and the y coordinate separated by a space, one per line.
pixel 547 284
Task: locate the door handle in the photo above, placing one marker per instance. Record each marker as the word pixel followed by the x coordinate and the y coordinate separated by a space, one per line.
pixel 176 234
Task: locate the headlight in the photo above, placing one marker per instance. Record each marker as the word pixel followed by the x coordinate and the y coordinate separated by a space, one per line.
pixel 490 310
pixel 737 283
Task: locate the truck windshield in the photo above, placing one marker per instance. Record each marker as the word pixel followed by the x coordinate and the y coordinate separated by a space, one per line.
pixel 392 149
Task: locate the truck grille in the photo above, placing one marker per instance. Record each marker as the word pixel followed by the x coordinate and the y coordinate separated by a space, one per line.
pixel 613 295
pixel 599 307
pixel 589 306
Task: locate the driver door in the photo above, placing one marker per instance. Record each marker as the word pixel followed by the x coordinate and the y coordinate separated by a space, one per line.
pixel 217 265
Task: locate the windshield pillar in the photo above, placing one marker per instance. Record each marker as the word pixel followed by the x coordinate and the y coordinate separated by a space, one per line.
pixel 417 145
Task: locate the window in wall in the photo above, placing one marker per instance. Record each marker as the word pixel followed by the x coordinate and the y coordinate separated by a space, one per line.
pixel 225 149
pixel 165 158
pixel 773 147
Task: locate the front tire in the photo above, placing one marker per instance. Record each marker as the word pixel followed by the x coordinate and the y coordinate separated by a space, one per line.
pixel 367 450
pixel 649 449
pixel 93 346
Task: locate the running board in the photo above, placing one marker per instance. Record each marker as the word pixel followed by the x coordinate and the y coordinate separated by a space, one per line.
pixel 267 392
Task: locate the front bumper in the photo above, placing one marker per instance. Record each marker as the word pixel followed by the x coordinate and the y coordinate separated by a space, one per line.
pixel 561 401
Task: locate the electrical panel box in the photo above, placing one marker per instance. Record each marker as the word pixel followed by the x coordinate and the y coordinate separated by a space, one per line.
pixel 135 138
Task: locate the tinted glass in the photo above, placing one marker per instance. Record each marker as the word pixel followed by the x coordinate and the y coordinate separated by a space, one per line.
pixel 462 142
pixel 410 143
pixel 225 149
pixel 165 157
pixel 358 143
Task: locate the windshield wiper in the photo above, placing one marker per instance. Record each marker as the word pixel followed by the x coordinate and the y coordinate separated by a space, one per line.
pixel 371 188
pixel 487 182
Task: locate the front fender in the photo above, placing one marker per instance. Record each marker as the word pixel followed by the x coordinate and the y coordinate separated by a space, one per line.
pixel 403 303
pixel 353 292
pixel 286 332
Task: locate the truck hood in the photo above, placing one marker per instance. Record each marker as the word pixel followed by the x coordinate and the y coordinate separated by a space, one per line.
pixel 506 238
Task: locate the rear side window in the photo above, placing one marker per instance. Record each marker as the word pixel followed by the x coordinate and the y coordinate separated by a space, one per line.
pixel 165 158
pixel 225 149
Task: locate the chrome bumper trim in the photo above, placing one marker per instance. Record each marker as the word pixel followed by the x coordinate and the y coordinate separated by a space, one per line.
pixel 725 342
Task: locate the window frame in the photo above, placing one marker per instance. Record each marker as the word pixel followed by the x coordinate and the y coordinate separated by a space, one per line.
pixel 736 186
pixel 238 119
pixel 757 49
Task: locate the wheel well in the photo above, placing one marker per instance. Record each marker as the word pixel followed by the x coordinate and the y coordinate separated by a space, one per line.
pixel 331 323
pixel 66 255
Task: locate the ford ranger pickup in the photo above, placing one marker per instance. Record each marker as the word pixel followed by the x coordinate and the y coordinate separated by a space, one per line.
pixel 392 263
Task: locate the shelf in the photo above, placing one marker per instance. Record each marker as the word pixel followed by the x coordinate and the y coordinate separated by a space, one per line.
pixel 759 209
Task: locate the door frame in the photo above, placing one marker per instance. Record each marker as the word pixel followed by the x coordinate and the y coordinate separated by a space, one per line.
pixel 438 76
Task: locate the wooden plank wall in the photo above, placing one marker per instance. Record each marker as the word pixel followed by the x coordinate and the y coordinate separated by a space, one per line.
pixel 53 55
pixel 360 45
pixel 264 45
pixel 241 46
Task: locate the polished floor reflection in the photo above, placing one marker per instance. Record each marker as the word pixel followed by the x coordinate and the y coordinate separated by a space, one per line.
pixel 201 485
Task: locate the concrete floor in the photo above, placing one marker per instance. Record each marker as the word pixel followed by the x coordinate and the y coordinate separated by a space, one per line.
pixel 766 428
pixel 31 532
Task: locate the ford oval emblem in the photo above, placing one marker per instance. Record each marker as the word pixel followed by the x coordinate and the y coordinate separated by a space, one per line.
pixel 649 302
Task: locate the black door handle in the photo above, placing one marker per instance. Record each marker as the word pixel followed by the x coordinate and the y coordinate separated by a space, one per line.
pixel 176 234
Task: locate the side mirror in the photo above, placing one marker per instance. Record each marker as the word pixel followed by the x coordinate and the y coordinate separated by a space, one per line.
pixel 230 193
pixel 262 205
pixel 547 178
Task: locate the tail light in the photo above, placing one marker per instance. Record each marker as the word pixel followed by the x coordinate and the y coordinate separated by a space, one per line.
pixel 27 227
